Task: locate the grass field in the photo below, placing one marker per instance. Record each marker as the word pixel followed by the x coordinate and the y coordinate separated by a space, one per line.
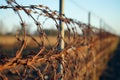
pixel 9 44
pixel 11 41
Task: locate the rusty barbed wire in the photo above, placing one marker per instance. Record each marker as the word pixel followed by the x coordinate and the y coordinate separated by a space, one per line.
pixel 80 52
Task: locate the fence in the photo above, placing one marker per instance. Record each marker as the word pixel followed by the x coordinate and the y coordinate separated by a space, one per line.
pixel 83 51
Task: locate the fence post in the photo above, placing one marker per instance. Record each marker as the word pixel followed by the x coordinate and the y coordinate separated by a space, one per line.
pixel 93 54
pixel 89 18
pixel 100 25
pixel 61 33
pixel 61 29
pixel 87 37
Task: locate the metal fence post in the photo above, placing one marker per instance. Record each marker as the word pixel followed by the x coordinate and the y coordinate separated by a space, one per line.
pixel 61 29
pixel 61 33
pixel 89 18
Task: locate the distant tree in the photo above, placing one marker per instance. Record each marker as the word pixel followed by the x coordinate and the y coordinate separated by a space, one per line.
pixel 2 31
pixel 51 32
pixel 28 28
pixel 9 33
pixel 15 28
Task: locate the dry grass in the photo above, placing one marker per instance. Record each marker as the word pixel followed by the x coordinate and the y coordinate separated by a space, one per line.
pixel 7 40
pixel 11 41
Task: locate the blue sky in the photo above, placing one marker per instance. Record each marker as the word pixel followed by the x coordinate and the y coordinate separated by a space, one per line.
pixel 108 10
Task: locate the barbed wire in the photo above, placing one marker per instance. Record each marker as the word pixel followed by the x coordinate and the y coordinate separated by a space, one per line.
pixel 80 50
